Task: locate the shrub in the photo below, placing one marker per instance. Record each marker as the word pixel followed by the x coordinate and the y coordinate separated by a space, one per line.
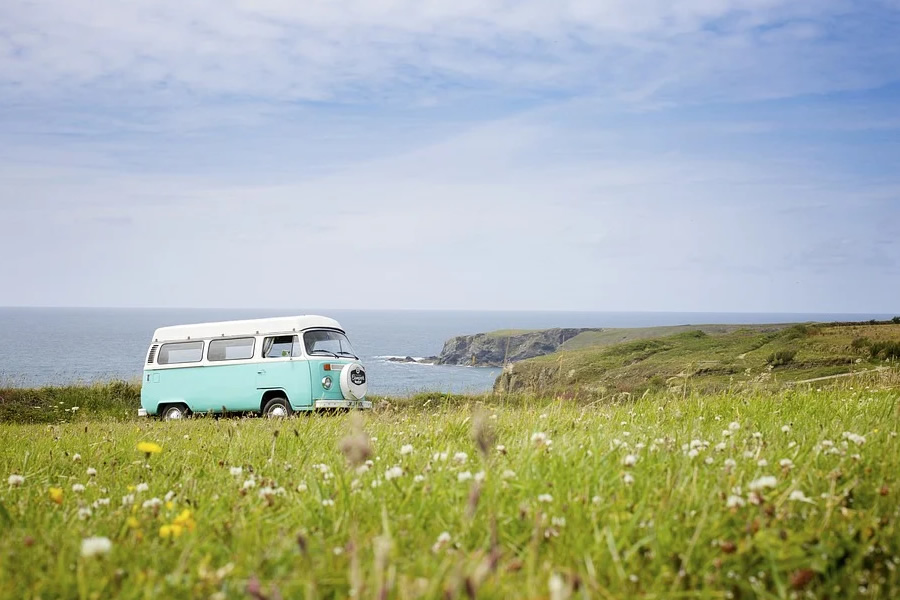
pixel 896 320
pixel 781 357
pixel 885 350
pixel 796 332
pixel 860 343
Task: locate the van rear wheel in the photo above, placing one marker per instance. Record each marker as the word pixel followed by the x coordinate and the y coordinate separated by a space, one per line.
pixel 277 408
pixel 175 412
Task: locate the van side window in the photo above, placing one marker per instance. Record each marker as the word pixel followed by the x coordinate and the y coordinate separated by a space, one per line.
pixel 180 352
pixel 233 349
pixel 280 346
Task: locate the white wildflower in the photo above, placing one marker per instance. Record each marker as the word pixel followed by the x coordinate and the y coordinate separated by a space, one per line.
pixel 16 480
pixel 693 453
pixel 418 478
pixel 76 458
pixel 406 449
pixel 169 496
pixel 142 487
pixel 508 474
pixel 859 440
pixel 95 546
pixel 762 462
pixel 540 439
pixel 786 463
pixel 128 500
pixel 393 473
pixel 152 503
pixel 720 447
pixel 442 540
pixel 597 500
pixel 766 481
pixel 558 521
pixel 501 448
pixel 460 457
pixel 301 487
pixel 734 426
pixel 327 502
pixel 235 471
pixel 730 464
pixel 545 498
pixel 708 460
pixel 249 483
pixel 91 472
pixel 785 429
pixel 630 460
pixel 628 479
pixel 439 456
pixel 557 587
pixel 799 496
pixel 734 502
pixel 479 476
pixel 464 476
pixel 77 488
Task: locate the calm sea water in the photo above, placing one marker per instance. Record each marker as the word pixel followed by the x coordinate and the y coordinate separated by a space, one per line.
pixel 49 346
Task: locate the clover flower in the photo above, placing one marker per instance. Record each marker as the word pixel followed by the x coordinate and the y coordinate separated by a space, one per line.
pixel 95 546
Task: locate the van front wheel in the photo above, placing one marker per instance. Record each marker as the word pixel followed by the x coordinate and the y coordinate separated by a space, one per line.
pixel 277 407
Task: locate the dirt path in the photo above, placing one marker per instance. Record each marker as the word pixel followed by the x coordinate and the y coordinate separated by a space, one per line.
pixel 827 377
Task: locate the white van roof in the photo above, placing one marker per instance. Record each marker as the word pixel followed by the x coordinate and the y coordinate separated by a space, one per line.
pixel 246 327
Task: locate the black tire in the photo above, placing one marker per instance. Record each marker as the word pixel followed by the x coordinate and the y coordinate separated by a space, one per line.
pixel 174 412
pixel 277 407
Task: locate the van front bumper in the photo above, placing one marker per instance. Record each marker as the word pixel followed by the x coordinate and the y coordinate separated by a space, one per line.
pixel 342 404
pixel 142 412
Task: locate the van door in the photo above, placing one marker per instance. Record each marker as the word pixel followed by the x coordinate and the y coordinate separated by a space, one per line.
pixel 282 368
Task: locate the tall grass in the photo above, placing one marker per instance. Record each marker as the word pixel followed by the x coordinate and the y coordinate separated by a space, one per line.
pixel 793 494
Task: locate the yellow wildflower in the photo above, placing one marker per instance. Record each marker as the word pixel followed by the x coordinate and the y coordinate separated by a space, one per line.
pixel 171 531
pixel 133 523
pixel 149 448
pixel 56 495
pixel 170 505
pixel 185 520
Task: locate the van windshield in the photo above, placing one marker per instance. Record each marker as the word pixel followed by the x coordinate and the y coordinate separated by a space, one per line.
pixel 326 342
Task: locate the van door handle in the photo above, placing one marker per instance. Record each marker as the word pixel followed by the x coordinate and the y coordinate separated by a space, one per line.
pixel 263 372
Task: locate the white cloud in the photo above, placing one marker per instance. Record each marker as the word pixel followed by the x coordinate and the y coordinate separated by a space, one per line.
pixel 417 51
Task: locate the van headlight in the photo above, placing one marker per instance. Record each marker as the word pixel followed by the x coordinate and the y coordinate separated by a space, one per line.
pixel 326 382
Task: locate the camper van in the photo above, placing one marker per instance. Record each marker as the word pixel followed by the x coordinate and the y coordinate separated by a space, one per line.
pixel 273 367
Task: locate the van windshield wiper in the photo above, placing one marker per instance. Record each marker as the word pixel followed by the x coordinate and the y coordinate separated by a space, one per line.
pixel 317 350
pixel 345 353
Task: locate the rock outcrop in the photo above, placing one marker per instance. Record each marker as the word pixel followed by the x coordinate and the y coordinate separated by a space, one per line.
pixel 498 348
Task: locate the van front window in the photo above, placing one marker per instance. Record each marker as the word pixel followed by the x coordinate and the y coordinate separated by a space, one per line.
pixel 326 342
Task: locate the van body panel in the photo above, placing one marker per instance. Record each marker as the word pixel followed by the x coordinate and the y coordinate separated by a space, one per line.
pixel 239 382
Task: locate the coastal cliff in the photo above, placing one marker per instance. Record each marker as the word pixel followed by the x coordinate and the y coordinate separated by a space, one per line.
pixel 502 347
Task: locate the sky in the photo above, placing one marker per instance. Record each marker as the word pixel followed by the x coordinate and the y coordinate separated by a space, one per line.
pixel 634 155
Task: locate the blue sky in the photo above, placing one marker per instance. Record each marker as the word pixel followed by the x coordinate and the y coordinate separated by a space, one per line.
pixel 703 155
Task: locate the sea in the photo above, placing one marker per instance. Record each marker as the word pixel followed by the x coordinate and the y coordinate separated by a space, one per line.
pixel 59 346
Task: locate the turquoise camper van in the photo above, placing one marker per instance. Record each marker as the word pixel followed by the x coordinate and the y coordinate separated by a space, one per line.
pixel 269 366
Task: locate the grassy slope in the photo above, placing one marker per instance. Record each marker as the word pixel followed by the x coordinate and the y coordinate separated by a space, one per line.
pixel 703 361
pixel 670 534
pixel 609 337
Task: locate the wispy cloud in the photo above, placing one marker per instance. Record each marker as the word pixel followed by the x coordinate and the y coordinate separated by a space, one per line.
pixel 609 155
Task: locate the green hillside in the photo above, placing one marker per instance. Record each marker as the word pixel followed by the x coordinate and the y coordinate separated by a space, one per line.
pixel 592 363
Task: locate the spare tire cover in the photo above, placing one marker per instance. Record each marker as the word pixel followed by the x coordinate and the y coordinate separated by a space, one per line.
pixel 354 383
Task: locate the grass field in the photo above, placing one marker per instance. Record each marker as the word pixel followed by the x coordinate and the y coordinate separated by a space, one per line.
pixel 767 495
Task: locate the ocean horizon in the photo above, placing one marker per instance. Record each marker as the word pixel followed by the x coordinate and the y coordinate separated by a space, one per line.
pixel 42 346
